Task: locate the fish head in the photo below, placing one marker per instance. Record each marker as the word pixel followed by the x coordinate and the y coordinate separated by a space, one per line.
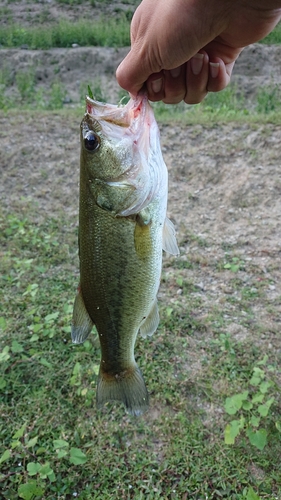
pixel 121 144
pixel 102 154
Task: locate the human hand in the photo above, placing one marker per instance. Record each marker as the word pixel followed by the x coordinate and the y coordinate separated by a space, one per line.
pixel 182 49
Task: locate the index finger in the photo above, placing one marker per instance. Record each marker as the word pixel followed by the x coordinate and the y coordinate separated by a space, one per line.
pixel 130 75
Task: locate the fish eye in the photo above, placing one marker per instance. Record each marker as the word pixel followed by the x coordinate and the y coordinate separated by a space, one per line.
pixel 91 141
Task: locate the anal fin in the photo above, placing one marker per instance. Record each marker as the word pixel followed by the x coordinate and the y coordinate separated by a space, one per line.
pixel 81 322
pixel 150 324
pixel 169 238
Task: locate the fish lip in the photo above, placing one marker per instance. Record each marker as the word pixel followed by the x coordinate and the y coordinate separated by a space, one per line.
pixel 122 115
pixel 131 121
pixel 93 105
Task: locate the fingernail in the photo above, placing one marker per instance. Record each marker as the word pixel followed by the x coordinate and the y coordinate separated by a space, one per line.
pixel 197 63
pixel 214 69
pixel 156 85
pixel 175 72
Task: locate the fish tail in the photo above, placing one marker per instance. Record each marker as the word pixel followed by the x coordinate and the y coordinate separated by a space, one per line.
pixel 127 387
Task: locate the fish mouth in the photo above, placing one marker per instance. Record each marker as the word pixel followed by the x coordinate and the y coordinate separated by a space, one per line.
pixel 118 114
pixel 133 121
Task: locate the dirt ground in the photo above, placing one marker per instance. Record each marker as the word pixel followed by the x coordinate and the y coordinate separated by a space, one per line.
pixel 224 180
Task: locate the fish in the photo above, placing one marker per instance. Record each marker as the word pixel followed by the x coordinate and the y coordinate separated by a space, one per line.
pixel 123 229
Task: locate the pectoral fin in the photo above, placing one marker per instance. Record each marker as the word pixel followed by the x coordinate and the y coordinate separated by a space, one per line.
pixel 169 238
pixel 151 322
pixel 81 322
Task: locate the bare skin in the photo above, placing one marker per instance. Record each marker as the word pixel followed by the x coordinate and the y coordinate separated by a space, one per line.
pixel 182 49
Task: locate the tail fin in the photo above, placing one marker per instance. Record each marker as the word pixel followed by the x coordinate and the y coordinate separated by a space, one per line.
pixel 127 387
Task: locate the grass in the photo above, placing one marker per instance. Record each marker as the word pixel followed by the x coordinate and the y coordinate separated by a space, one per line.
pixel 114 32
pixel 110 32
pixel 54 442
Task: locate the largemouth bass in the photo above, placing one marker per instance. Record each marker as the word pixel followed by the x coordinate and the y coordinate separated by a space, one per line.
pixel 122 231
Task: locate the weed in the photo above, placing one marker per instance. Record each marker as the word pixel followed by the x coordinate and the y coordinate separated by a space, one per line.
pixel 44 16
pixel 29 95
pixel 4 104
pixel 25 82
pixel 6 14
pixel 253 407
pixel 114 33
pixel 225 102
pixel 56 96
pixel 6 79
pixel 234 265
pixel 268 99
pixel 96 91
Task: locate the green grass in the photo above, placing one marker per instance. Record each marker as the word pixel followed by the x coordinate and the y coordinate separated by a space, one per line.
pixel 106 32
pixel 55 444
pixel 114 32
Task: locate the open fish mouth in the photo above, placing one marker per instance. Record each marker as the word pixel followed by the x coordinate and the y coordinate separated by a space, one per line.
pixel 119 114
pixel 134 119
